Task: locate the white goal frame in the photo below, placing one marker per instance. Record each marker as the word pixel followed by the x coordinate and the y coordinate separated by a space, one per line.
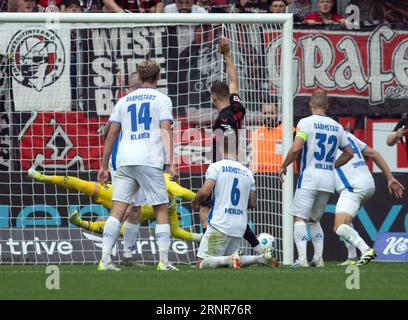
pixel 286 20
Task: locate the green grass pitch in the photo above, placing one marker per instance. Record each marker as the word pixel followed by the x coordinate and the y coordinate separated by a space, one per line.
pixel 377 281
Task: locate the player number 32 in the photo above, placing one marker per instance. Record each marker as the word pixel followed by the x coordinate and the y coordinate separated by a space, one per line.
pixel 321 143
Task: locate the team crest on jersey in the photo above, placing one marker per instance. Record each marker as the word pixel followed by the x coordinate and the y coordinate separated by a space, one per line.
pixel 37 58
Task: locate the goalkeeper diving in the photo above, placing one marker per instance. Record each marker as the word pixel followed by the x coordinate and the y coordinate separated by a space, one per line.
pixel 102 194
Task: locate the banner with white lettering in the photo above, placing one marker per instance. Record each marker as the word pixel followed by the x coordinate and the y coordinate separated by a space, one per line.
pixel 364 72
pixel 39 65
pixel 112 56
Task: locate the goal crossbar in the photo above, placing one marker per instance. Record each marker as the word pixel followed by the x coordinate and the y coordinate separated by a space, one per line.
pixel 155 18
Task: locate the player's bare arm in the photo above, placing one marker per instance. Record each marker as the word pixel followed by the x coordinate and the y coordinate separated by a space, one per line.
pixel 394 186
pixel 292 155
pixel 106 130
pixel 345 157
pixel 252 200
pixel 111 137
pixel 225 50
pixel 111 5
pixel 394 137
pixel 203 193
pixel 169 148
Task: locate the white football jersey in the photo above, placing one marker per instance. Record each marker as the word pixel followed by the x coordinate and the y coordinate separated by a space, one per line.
pixel 140 114
pixel 323 136
pixel 229 202
pixel 354 175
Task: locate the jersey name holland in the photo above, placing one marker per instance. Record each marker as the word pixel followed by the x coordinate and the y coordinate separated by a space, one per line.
pixel 323 136
pixel 140 114
pixel 354 176
pixel 229 202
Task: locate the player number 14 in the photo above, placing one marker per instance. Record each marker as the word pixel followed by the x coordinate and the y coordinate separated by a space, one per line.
pixel 143 116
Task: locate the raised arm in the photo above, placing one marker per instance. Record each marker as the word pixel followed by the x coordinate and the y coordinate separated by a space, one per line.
pixel 225 50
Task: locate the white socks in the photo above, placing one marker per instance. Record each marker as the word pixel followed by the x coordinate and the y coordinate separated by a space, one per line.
pixel 163 241
pixel 352 236
pixel 110 236
pixel 225 261
pixel 130 233
pixel 215 262
pixel 259 248
pixel 351 250
pixel 316 232
pixel 248 260
pixel 300 236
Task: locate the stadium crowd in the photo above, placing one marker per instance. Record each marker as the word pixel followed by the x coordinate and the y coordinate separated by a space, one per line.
pixel 310 12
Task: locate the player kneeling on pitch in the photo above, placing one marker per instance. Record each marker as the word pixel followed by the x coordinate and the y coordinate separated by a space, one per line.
pixel 232 186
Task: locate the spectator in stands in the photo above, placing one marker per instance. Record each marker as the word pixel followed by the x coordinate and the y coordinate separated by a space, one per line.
pixel 3 5
pixel 252 6
pixel 214 6
pixel 267 147
pixel 299 8
pixel 370 11
pixel 48 5
pixel 395 11
pixel 324 15
pixel 21 5
pixel 400 133
pixel 183 6
pixel 277 6
pixel 152 6
pixel 71 6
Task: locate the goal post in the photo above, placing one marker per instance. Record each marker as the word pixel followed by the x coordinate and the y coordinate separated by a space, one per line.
pixel 63 74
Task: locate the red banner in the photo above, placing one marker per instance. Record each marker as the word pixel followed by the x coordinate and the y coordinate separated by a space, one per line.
pixel 62 141
pixel 371 65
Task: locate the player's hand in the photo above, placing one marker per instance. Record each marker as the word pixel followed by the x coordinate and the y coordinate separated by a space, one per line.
pixel 174 174
pixel 224 46
pixel 195 205
pixel 103 175
pixel 282 171
pixel 396 188
pixel 401 132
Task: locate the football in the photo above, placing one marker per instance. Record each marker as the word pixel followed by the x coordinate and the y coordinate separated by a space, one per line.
pixel 267 240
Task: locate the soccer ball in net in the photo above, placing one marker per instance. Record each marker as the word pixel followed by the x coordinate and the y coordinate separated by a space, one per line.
pixel 267 240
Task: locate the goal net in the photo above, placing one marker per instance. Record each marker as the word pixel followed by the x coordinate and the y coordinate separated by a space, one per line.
pixel 59 84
